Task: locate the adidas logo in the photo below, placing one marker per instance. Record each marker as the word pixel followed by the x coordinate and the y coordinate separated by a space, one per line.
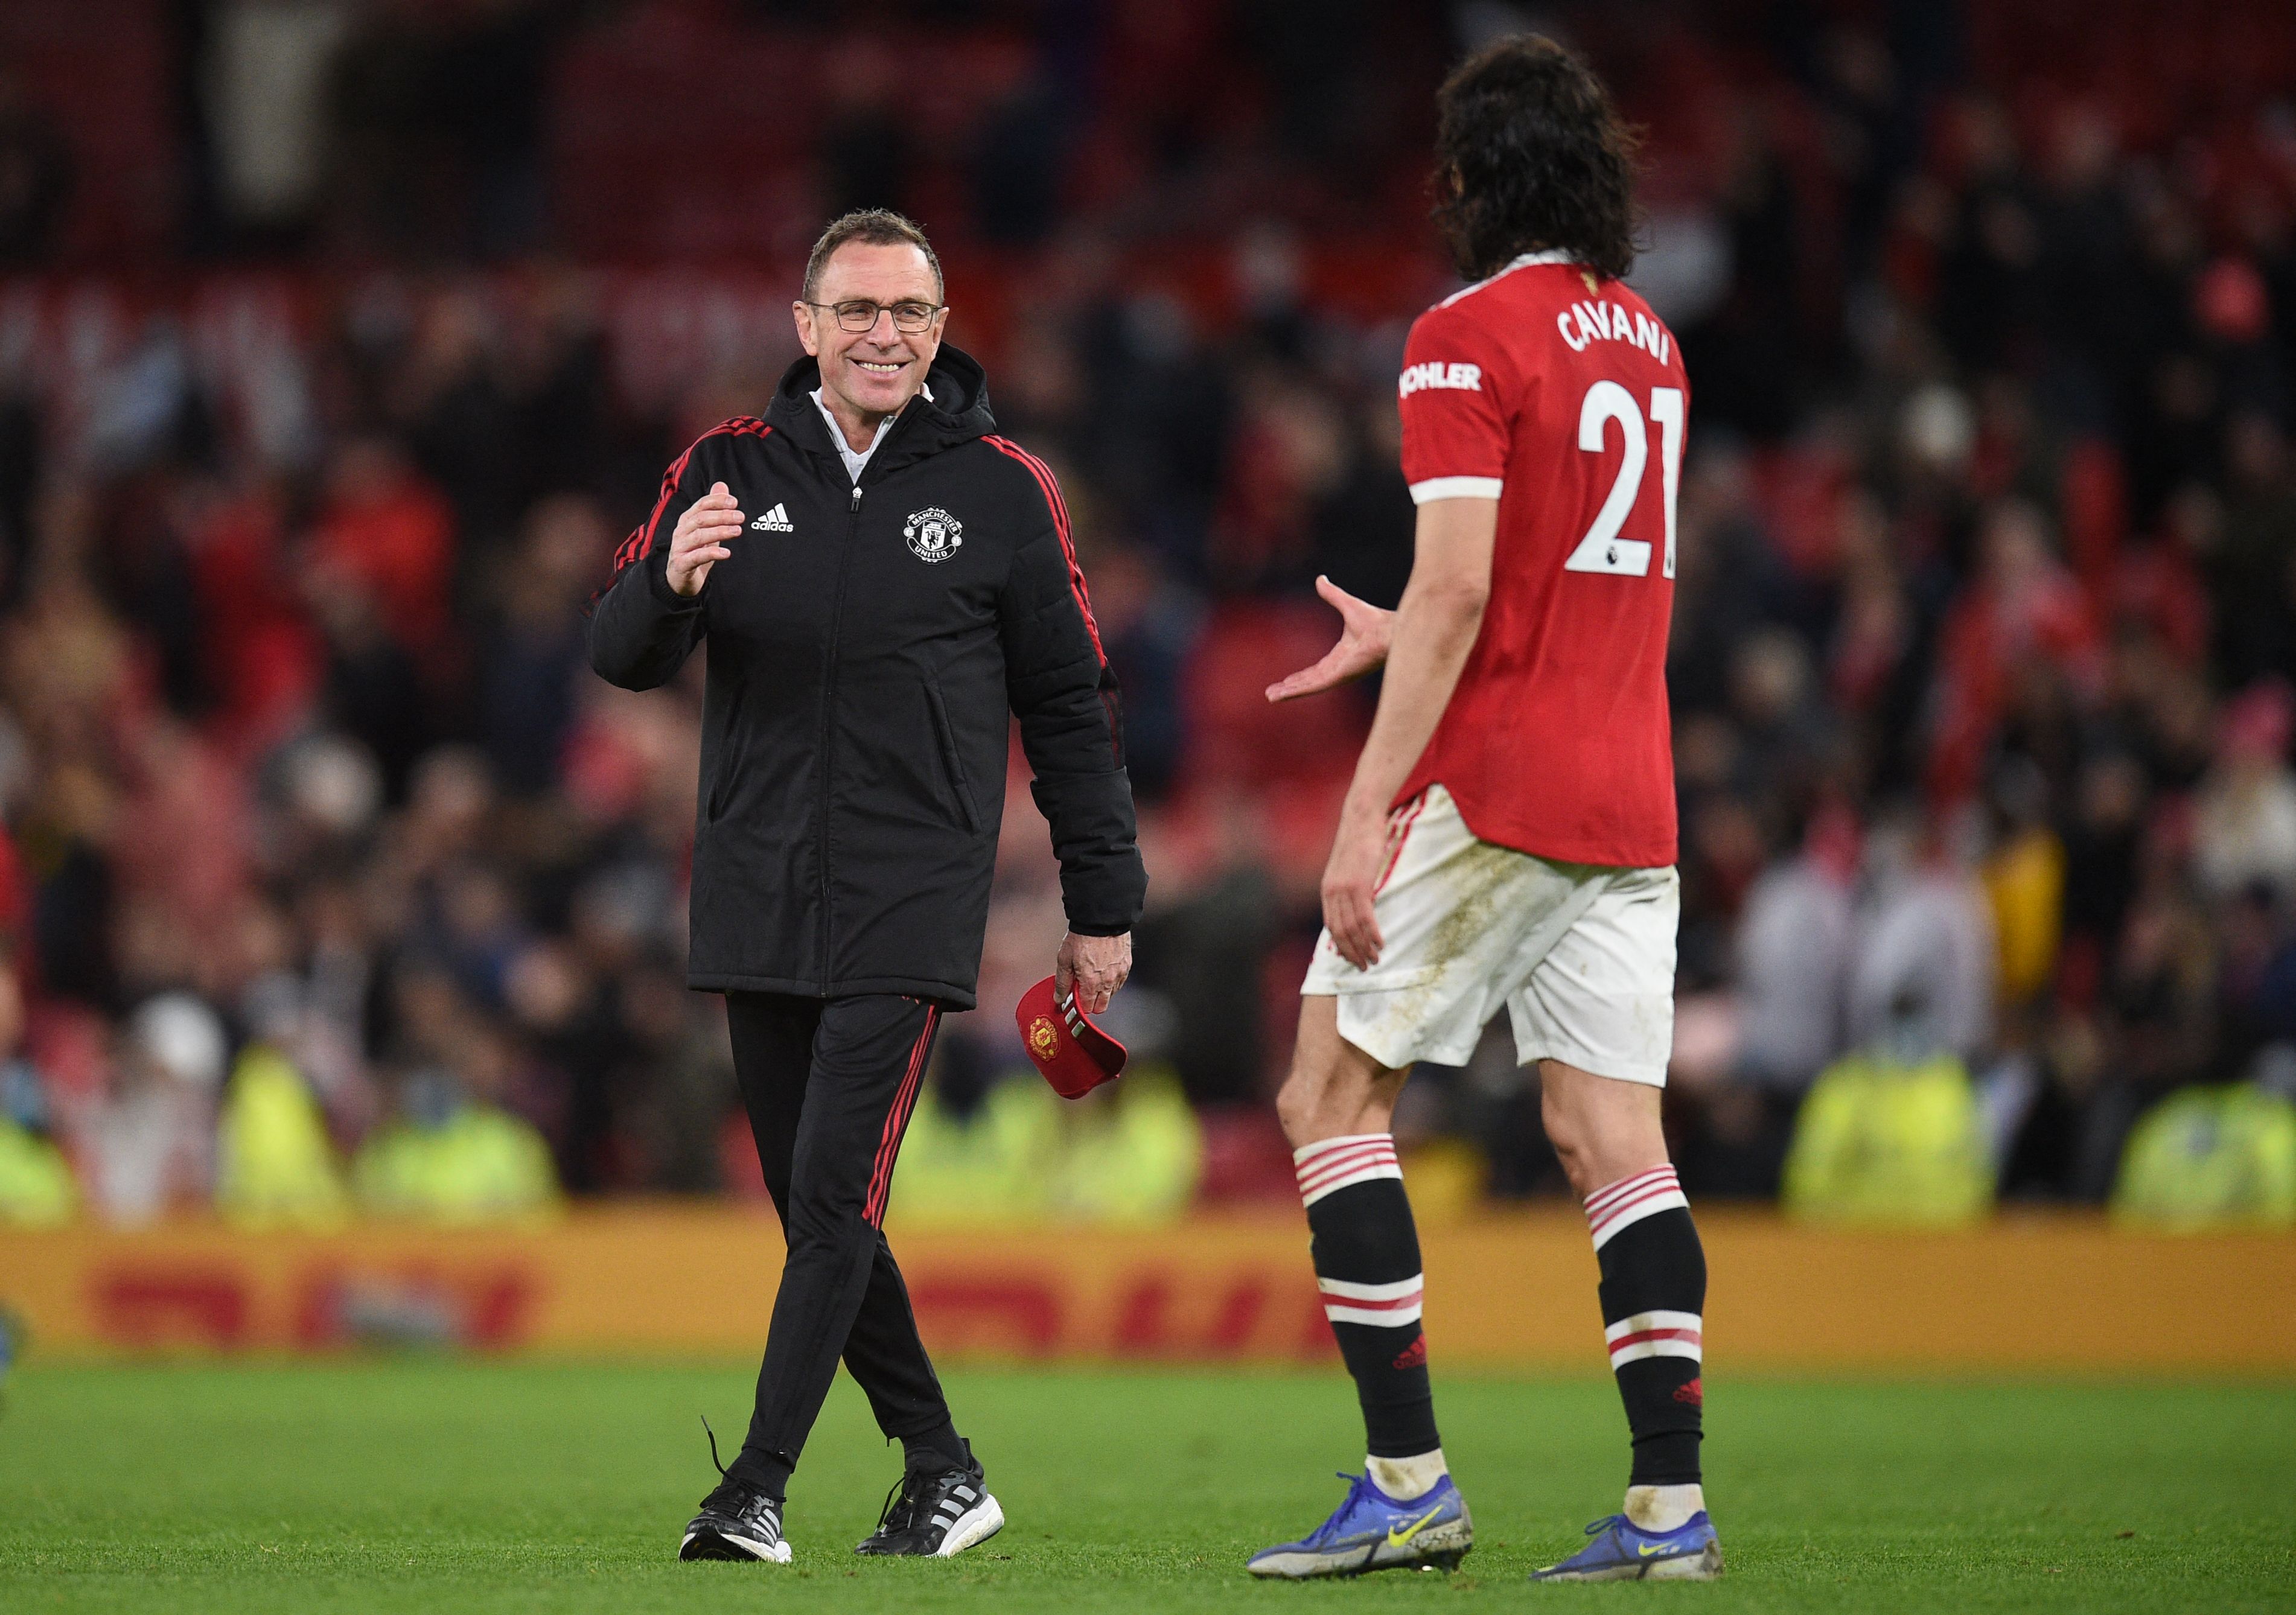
pixel 774 521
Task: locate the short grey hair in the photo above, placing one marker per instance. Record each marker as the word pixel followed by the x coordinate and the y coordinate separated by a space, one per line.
pixel 871 227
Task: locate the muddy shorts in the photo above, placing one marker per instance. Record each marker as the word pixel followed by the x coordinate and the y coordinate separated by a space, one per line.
pixel 1582 954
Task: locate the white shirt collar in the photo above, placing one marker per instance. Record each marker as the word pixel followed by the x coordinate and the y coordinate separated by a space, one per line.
pixel 853 462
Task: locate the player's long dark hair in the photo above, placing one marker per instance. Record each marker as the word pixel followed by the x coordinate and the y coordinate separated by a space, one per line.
pixel 1530 157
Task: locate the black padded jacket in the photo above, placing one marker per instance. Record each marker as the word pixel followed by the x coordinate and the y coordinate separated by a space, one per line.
pixel 864 645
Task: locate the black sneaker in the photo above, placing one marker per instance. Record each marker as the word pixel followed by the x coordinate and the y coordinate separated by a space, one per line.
pixel 935 1513
pixel 736 1521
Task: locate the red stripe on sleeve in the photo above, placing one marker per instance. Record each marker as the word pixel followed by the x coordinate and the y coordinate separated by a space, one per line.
pixel 640 543
pixel 1051 489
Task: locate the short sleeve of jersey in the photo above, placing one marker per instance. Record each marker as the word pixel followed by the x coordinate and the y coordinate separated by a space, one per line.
pixel 1456 397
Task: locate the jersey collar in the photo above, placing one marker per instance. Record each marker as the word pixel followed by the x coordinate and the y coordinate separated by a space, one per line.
pixel 1553 255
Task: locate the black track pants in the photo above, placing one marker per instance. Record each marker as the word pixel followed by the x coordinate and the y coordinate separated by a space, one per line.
pixel 829 1084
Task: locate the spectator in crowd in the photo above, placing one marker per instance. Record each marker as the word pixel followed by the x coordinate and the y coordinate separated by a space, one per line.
pixel 147 1145
pixel 1794 948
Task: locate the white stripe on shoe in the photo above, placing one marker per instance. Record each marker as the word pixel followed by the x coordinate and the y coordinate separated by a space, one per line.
pixel 976 1525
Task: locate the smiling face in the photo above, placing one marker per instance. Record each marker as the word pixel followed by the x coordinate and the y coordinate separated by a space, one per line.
pixel 869 374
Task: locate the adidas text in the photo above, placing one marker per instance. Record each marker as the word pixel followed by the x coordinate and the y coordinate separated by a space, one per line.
pixel 774 521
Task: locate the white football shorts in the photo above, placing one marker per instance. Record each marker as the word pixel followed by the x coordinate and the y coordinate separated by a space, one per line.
pixel 1582 954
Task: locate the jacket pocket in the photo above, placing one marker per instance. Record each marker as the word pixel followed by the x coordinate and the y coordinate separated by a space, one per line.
pixel 950 762
pixel 734 742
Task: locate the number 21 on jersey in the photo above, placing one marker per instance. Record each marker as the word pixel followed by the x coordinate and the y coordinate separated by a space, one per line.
pixel 1603 550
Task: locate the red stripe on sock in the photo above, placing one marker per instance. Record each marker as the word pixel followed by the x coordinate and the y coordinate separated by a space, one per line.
pixel 1353 1152
pixel 1601 1198
pixel 1319 1173
pixel 1323 1149
pixel 1346 1169
pixel 1397 1304
pixel 1333 1180
pixel 1611 1216
pixel 1307 1168
pixel 1625 1340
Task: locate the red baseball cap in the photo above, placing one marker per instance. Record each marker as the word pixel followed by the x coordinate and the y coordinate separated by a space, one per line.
pixel 1074 1055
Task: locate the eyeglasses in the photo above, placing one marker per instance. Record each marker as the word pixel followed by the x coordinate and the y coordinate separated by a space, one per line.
pixel 861 313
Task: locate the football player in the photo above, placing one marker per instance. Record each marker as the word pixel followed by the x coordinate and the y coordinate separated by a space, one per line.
pixel 1509 835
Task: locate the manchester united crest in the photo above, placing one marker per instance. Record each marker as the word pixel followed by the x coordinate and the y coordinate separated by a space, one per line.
pixel 1044 1037
pixel 933 534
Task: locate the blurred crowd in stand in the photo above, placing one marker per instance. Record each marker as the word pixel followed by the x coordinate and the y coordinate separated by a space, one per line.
pixel 331 878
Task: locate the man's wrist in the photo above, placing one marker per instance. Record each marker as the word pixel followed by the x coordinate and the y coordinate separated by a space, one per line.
pixel 1362 814
pixel 664 591
pixel 1077 930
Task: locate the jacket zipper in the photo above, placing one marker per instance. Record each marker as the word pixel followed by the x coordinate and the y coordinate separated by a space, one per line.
pixel 828 717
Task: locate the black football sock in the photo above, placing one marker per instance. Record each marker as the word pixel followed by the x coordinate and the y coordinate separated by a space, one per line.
pixel 935 1450
pixel 1653 1291
pixel 1366 1257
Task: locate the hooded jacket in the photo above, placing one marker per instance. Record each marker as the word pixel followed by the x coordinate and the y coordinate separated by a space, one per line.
pixel 865 643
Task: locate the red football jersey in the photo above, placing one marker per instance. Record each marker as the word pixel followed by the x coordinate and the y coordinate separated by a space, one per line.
pixel 1560 394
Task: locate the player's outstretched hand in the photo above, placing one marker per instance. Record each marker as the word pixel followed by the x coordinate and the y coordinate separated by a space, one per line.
pixel 1350 880
pixel 698 543
pixel 1096 966
pixel 1365 631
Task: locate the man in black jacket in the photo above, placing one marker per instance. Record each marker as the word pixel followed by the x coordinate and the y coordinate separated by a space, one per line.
pixel 879 579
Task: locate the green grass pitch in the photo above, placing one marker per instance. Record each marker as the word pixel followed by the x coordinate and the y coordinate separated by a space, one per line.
pixel 439 1486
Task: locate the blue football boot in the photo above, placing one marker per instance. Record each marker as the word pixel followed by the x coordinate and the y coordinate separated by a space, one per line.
pixel 1622 1550
pixel 1372 1532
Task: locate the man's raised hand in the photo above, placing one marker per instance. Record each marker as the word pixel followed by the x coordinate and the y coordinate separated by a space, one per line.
pixel 698 543
pixel 1365 631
